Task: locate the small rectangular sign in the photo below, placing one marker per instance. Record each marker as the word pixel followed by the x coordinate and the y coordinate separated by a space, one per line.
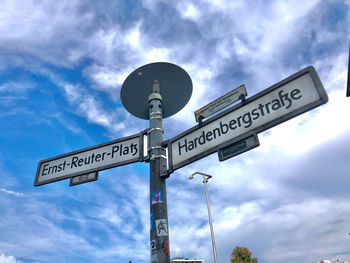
pixel 239 147
pixel 92 159
pixel 287 99
pixel 82 179
pixel 220 103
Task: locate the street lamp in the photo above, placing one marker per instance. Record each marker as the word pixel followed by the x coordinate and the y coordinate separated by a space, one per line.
pixel 206 177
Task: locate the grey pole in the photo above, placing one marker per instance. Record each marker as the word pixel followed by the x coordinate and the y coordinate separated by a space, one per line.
pixel 206 177
pixel 205 180
pixel 171 88
pixel 348 83
pixel 159 237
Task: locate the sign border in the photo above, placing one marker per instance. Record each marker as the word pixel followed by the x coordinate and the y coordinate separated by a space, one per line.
pixel 319 88
pixel 138 158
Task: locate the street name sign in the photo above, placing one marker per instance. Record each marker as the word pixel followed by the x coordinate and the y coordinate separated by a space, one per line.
pixel 220 103
pixel 286 99
pixel 92 159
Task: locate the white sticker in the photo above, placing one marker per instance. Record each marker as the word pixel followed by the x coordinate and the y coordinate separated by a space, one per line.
pixel 153 245
pixel 161 227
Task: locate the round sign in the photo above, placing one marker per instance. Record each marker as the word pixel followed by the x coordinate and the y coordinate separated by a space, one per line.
pixel 175 88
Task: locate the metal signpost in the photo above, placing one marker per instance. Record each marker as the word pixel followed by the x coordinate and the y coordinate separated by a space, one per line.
pixel 168 89
pixel 159 90
pixel 348 83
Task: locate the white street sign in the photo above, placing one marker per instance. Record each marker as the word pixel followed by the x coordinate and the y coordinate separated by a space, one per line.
pixel 292 96
pixel 96 158
pixel 220 103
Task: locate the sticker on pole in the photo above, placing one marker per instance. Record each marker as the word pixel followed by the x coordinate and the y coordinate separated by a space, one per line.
pixel 156 197
pixel 161 227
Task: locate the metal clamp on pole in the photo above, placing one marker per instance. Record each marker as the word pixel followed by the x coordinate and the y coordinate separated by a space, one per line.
pixel 156 156
pixel 154 147
pixel 155 96
pixel 155 115
pixel 153 129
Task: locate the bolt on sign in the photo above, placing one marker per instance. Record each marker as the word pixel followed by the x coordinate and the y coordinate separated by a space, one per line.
pixel 287 99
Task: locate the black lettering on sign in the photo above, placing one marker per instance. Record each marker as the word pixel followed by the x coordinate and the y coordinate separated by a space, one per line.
pixel 77 160
pixel 47 169
pixel 285 100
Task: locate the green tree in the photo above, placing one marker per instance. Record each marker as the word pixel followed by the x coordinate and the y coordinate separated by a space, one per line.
pixel 242 255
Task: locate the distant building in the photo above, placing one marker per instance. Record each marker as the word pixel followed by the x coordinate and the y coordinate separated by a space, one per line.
pixel 185 260
pixel 329 261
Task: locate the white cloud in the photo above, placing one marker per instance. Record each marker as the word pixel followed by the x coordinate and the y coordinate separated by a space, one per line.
pixel 156 55
pixel 108 78
pixel 318 221
pixel 8 259
pixel 45 31
pixel 189 10
pixel 224 7
pixel 274 226
pixel 13 95
pixel 92 109
pixel 12 192
pixel 16 87
pixel 132 37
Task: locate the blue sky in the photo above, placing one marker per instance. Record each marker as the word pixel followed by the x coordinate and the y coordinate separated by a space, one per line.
pixel 62 65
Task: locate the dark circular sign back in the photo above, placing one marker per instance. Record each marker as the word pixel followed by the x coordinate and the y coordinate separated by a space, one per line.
pixel 175 88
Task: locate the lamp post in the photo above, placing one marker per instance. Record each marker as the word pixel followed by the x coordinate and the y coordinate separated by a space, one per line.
pixel 206 177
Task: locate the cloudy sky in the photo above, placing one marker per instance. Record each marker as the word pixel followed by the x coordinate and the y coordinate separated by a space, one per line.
pixel 62 64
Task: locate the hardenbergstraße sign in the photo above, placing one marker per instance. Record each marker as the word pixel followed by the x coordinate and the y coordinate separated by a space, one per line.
pixel 220 103
pixel 292 96
pixel 96 158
